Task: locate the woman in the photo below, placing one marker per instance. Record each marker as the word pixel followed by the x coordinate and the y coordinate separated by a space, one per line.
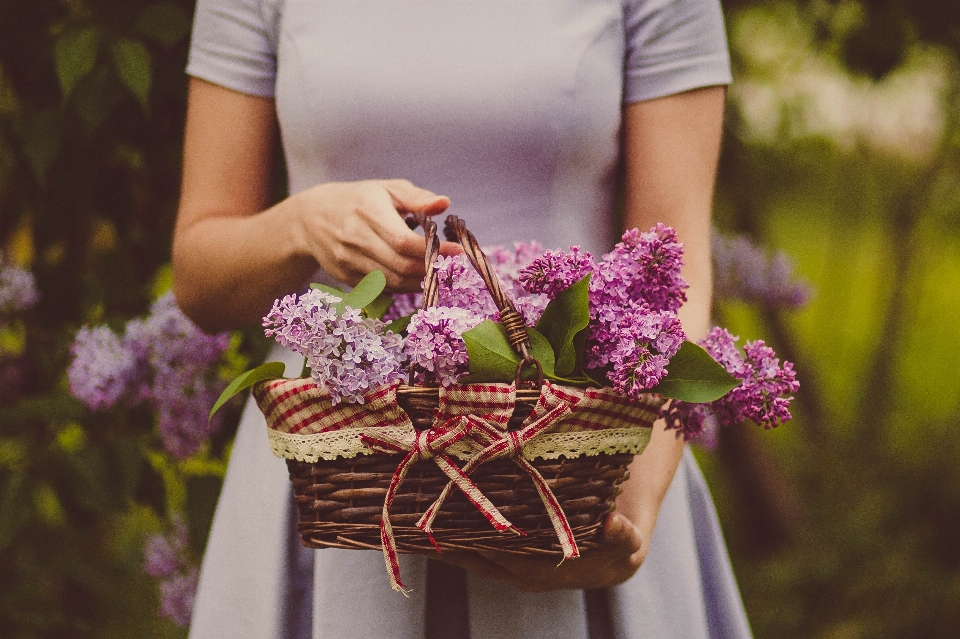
pixel 525 113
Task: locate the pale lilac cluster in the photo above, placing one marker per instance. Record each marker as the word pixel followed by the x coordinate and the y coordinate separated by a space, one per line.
pixel 641 350
pixel 347 353
pixel 744 271
pixel 18 289
pixel 460 286
pixel 435 342
pixel 764 394
pixel 103 369
pixel 164 361
pixel 165 559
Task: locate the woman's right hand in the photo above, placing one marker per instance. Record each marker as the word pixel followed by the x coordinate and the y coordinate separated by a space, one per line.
pixel 233 254
pixel 353 228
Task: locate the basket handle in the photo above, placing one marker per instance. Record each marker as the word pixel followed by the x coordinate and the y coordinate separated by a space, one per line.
pixel 455 230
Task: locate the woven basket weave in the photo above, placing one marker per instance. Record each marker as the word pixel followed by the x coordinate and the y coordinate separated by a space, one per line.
pixel 340 497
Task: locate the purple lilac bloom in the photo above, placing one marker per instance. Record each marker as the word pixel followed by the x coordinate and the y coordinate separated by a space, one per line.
pixel 104 368
pixel 642 272
pixel 507 265
pixel 163 360
pixel 403 304
pixel 163 554
pixel 762 396
pixel 347 354
pixel 183 382
pixel 641 349
pixel 435 342
pixel 460 286
pixel 744 271
pixel 555 271
pixel 18 288
pixel 176 598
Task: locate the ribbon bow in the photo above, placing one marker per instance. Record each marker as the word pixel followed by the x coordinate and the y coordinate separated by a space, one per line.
pixel 428 444
pixel 499 444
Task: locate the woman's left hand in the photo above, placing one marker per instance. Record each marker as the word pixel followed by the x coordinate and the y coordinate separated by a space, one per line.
pixel 622 549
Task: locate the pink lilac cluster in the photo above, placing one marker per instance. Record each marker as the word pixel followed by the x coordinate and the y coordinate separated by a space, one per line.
pixel 347 353
pixel 165 559
pixel 435 336
pixel 635 291
pixel 556 271
pixel 18 290
pixel 640 276
pixel 744 271
pixel 435 342
pixel 460 286
pixel 764 393
pixel 163 361
pixel 641 350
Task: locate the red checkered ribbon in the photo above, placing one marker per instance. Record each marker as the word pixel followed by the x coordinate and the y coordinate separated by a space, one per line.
pixel 428 444
pixel 554 404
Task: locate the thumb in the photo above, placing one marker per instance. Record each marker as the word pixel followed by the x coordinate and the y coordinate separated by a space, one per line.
pixel 408 198
pixel 618 531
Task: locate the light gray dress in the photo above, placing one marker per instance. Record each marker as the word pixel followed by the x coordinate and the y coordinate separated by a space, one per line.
pixel 512 108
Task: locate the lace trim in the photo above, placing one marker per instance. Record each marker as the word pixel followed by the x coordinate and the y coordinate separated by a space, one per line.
pixel 347 443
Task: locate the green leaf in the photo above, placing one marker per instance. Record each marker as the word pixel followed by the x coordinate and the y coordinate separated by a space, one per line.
pixel 75 53
pixel 270 370
pixel 564 317
pixel 379 307
pixel 164 23
pixel 492 359
pixel 694 376
pixel 400 324
pixel 366 291
pixel 133 64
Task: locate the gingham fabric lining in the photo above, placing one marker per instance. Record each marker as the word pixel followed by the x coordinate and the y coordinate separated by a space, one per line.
pixel 304 425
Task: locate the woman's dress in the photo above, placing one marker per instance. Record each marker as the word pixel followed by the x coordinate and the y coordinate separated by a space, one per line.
pixel 512 108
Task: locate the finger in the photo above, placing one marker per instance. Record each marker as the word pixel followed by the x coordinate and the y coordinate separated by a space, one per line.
pixel 621 533
pixel 450 248
pixel 409 198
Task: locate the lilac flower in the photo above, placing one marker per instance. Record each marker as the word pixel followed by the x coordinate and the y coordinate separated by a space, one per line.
pixel 744 271
pixel 182 383
pixel 103 370
pixel 555 271
pixel 346 353
pixel 164 361
pixel 460 286
pixel 435 342
pixel 642 272
pixel 165 559
pixel 403 304
pixel 163 554
pixel 508 264
pixel 18 289
pixel 177 595
pixel 762 396
pixel 641 349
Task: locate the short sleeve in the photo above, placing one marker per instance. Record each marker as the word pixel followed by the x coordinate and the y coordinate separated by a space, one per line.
pixel 673 46
pixel 234 44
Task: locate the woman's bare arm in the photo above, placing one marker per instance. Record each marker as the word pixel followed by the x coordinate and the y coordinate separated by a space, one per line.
pixel 232 256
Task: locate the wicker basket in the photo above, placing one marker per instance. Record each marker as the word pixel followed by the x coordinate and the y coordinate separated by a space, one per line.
pixel 341 496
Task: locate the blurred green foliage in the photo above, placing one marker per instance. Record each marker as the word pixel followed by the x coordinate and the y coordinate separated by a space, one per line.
pixel 842 524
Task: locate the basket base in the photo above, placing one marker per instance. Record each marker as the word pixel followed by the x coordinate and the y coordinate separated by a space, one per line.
pixel 340 503
pixel 413 540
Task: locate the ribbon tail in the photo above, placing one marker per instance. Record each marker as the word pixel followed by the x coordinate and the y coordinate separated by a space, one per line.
pixel 561 526
pixel 387 540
